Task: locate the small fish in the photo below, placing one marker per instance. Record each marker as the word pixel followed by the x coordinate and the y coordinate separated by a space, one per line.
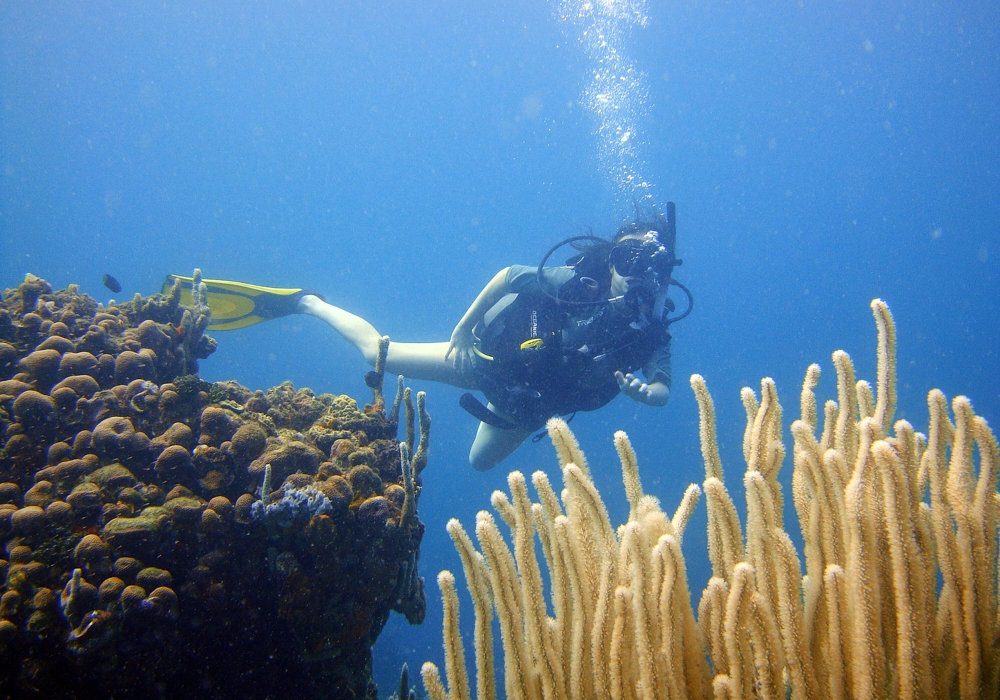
pixel 111 283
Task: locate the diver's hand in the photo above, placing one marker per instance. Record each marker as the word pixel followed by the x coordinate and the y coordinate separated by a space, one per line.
pixel 633 387
pixel 655 394
pixel 462 340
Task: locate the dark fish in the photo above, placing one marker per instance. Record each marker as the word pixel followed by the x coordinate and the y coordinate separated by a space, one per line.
pixel 111 283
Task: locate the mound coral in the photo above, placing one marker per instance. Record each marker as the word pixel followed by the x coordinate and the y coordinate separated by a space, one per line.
pixel 899 597
pixel 145 556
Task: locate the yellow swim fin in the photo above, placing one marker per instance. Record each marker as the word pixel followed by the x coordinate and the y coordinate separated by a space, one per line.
pixel 238 304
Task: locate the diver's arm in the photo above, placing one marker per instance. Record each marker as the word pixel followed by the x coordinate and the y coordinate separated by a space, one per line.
pixel 651 394
pixel 462 338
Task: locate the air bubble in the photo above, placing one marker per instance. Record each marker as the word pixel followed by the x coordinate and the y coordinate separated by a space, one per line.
pixel 617 93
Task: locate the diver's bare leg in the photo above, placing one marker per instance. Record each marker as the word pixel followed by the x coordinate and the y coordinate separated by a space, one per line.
pixel 493 445
pixel 412 360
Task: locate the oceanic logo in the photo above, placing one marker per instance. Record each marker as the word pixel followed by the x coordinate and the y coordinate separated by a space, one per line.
pixel 617 92
pixel 534 323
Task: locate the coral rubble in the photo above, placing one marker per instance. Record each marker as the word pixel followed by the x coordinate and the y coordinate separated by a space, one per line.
pixel 167 537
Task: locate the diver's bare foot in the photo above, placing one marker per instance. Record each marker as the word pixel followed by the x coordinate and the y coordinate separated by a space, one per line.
pixel 308 302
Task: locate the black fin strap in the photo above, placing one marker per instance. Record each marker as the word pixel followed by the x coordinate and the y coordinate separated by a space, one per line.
pixel 482 413
pixel 544 433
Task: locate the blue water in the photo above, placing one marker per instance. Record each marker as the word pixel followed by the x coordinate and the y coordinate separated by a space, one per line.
pixel 395 155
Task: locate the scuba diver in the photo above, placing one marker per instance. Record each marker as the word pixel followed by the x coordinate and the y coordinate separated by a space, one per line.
pixel 537 341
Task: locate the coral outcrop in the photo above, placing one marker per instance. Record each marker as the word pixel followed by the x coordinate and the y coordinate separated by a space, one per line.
pixel 166 537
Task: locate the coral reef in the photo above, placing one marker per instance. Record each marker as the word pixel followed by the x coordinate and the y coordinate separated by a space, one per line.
pixel 167 537
pixel 899 597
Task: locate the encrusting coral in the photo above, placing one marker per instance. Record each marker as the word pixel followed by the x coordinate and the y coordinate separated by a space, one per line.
pixel 898 598
pixel 146 553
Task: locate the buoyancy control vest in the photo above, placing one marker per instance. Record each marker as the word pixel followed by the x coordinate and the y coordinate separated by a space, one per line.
pixel 536 360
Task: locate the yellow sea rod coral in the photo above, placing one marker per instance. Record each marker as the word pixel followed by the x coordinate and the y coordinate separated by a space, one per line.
pixel 898 598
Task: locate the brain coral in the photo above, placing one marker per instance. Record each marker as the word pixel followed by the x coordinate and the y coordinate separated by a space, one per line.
pixel 78 363
pixel 29 520
pixel 217 426
pixel 132 597
pixel 135 365
pixel 43 366
pixel 58 452
pixel 80 384
pixel 34 410
pixel 8 359
pixel 248 442
pixel 177 434
pixel 57 342
pixel 113 437
pixel 174 463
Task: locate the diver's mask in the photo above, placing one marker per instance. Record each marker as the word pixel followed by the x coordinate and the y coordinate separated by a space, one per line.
pixel 644 261
pixel 641 257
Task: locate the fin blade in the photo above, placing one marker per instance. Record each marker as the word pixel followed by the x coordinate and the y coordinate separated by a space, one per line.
pixel 237 305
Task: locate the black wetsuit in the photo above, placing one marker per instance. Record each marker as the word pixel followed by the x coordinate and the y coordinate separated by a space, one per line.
pixel 554 359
